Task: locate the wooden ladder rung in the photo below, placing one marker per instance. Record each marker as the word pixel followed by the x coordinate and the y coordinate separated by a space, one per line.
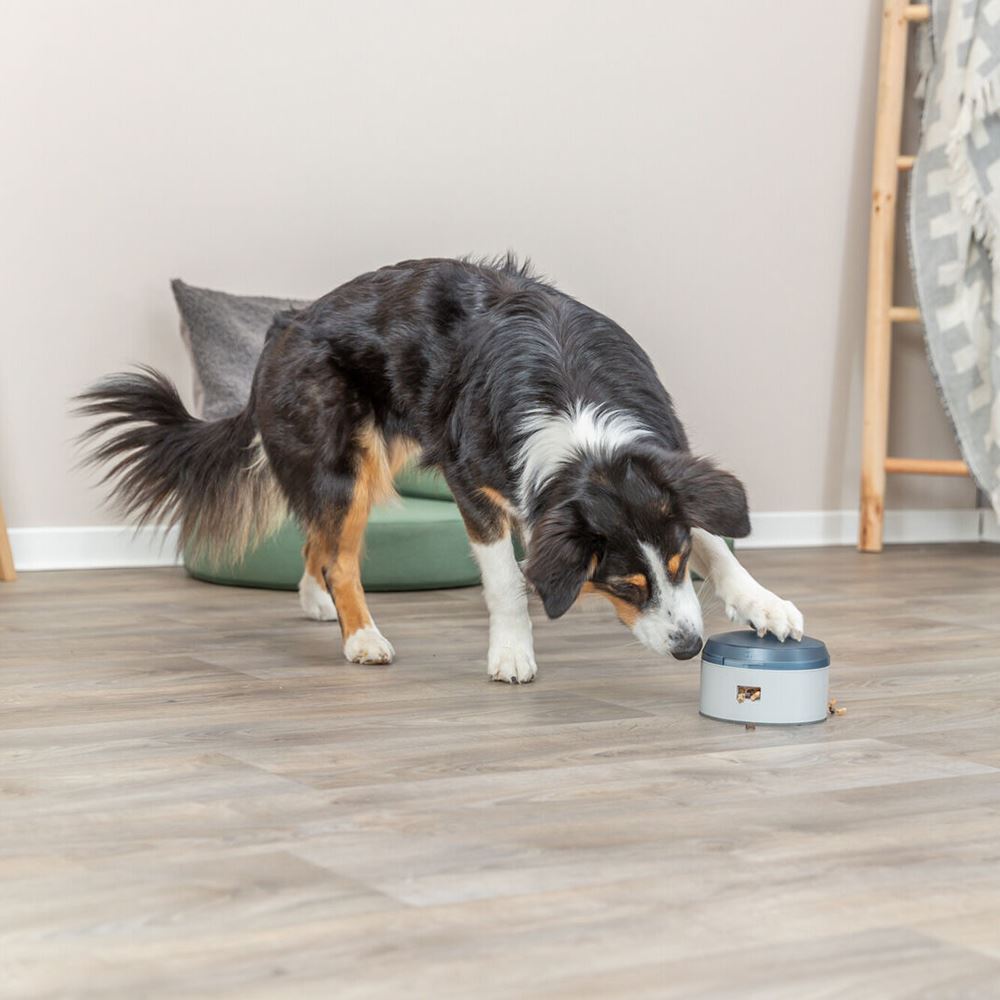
pixel 927 466
pixel 905 162
pixel 904 314
pixel 917 12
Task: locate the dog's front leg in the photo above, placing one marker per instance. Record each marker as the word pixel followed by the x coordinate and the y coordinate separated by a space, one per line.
pixel 511 656
pixel 745 600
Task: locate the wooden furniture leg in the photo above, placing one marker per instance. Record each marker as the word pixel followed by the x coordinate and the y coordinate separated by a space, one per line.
pixel 7 572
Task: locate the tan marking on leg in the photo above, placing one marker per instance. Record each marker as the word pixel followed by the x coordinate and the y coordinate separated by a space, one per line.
pixel 484 532
pixel 487 530
pixel 334 558
pixel 374 479
pixel 312 556
pixel 498 500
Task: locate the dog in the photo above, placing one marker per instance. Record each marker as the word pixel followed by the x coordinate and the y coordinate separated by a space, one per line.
pixel 545 417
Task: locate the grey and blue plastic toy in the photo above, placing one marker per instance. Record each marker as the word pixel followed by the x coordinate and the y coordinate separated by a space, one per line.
pixel 750 678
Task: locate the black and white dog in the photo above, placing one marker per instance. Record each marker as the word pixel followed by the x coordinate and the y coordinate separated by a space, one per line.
pixel 544 416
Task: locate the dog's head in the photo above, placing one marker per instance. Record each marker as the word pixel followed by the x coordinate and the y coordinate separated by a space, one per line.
pixel 621 527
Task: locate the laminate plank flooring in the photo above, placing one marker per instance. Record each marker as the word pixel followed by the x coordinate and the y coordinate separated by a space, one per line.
pixel 198 797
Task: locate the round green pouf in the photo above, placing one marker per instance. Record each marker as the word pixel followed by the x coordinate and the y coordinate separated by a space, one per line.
pixel 412 544
pixel 415 481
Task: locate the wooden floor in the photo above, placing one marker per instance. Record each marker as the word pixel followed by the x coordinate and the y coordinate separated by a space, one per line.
pixel 198 797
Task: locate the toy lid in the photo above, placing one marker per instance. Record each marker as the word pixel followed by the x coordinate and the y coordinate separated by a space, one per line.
pixel 744 648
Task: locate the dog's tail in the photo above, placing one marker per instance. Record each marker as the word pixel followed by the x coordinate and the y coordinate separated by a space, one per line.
pixel 210 478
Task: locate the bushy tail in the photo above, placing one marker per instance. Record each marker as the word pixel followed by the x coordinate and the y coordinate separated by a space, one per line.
pixel 212 479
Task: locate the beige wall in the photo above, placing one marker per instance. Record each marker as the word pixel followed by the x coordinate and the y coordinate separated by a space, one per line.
pixel 698 171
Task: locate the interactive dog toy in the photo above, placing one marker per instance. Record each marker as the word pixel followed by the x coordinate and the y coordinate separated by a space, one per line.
pixel 753 679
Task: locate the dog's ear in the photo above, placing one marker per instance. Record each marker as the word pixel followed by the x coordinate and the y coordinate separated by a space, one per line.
pixel 707 497
pixel 562 549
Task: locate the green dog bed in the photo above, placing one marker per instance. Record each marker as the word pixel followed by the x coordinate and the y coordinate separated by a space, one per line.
pixel 413 544
pixel 414 481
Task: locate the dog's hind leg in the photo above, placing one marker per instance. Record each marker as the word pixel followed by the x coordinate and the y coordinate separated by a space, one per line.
pixel 745 600
pixel 333 552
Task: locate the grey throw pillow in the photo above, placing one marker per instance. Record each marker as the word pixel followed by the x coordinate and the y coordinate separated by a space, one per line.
pixel 225 335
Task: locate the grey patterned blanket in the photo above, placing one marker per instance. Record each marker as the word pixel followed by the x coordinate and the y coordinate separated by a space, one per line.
pixel 954 225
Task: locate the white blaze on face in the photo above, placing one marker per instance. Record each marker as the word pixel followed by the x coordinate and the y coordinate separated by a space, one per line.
pixel 674 612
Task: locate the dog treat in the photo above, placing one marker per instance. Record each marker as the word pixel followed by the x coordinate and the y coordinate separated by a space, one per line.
pixel 832 708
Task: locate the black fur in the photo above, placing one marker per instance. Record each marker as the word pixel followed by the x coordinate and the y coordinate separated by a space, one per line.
pixel 705 496
pixel 452 354
pixel 567 539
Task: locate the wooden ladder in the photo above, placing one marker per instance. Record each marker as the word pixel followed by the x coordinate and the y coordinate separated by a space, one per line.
pixel 882 315
pixel 7 573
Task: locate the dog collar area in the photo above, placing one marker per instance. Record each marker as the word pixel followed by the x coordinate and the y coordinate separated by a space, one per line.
pixel 744 648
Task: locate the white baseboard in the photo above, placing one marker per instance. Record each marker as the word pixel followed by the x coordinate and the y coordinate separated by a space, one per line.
pixel 788 528
pixel 108 547
pixel 991 527
pixel 103 547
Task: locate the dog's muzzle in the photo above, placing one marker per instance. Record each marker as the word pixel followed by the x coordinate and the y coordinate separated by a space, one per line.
pixel 686 646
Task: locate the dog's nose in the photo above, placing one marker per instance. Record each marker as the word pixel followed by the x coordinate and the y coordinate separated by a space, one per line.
pixel 686 647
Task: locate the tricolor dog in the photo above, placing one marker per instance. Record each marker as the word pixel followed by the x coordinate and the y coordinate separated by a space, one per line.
pixel 545 417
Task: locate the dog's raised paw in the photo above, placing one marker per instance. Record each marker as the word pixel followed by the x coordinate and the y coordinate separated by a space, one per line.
pixel 766 612
pixel 511 664
pixel 368 645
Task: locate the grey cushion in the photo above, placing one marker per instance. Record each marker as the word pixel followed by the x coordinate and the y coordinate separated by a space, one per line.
pixel 225 335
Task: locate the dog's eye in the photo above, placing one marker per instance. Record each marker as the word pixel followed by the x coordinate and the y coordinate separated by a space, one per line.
pixel 628 592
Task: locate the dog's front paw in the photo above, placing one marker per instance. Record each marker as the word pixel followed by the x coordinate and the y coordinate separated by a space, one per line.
pixel 368 645
pixel 754 605
pixel 513 664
